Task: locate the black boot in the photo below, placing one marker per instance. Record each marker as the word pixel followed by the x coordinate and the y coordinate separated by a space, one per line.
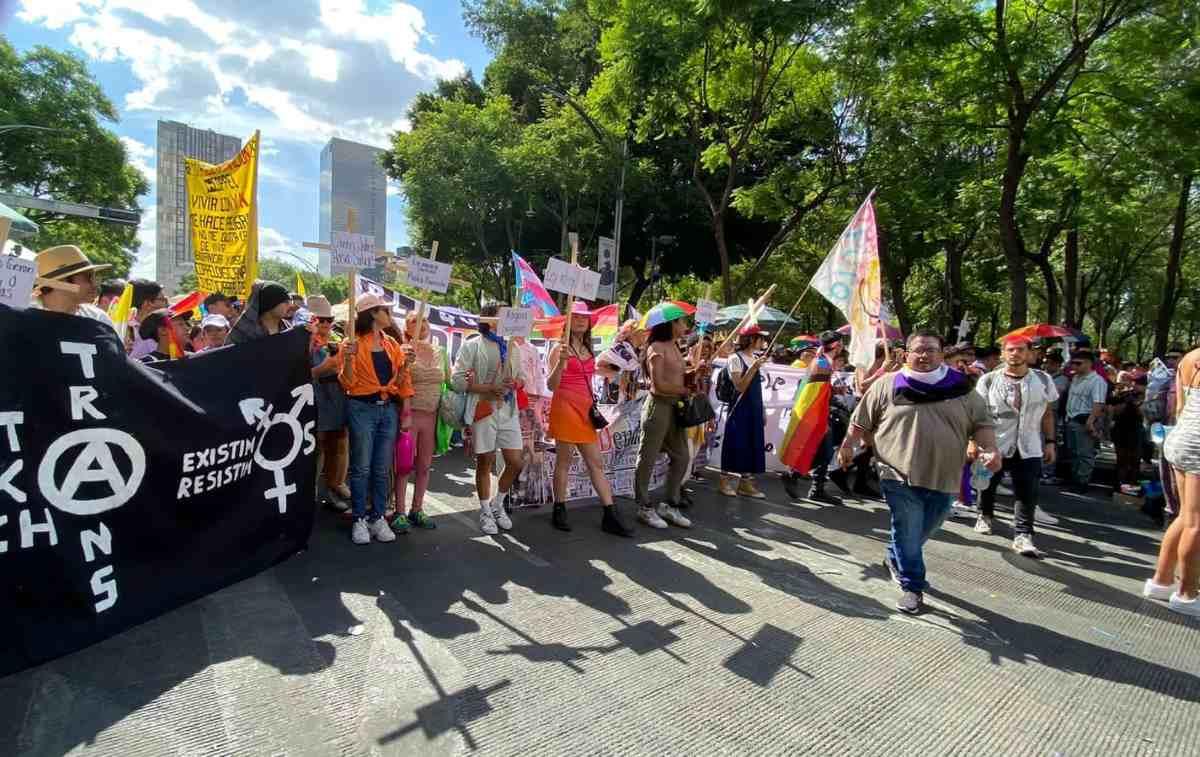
pixel 818 494
pixel 559 518
pixel 612 524
pixel 791 485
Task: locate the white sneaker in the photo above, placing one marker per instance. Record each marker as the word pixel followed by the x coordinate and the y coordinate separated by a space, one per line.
pixel 1005 491
pixel 1153 590
pixel 650 518
pixel 673 516
pixel 1184 606
pixel 487 521
pixel 1023 545
pixel 381 531
pixel 359 533
pixel 983 525
pixel 500 515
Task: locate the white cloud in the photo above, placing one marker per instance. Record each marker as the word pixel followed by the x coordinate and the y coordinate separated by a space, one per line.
pixel 143 266
pixel 141 155
pixel 300 71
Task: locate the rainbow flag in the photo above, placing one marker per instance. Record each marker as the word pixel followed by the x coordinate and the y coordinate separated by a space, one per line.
pixel 606 321
pixel 530 291
pixel 807 427
pixel 192 302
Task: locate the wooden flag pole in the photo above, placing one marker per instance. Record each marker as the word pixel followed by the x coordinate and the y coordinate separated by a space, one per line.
pixel 771 346
pixel 566 337
pixel 756 306
pixel 352 316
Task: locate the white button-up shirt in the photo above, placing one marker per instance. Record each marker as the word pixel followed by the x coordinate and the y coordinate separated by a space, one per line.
pixel 1017 405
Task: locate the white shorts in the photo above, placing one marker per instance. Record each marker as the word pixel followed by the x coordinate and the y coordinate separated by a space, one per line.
pixel 500 430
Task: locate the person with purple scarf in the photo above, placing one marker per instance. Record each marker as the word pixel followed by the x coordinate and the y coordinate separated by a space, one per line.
pixel 918 420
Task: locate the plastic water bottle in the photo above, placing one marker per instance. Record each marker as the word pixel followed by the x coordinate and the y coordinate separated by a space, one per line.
pixel 981 477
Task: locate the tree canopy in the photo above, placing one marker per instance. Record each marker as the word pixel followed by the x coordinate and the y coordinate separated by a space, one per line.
pixel 79 161
pixel 1032 160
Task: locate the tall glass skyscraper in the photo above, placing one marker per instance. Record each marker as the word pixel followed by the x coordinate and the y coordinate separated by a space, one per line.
pixel 352 182
pixel 173 243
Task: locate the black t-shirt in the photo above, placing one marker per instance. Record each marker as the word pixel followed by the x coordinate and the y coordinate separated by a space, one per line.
pixel 154 357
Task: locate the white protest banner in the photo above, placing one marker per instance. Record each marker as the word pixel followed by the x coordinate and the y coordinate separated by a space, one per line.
pixel 16 281
pixel 429 274
pixel 571 279
pixel 706 311
pixel 515 322
pixel 352 252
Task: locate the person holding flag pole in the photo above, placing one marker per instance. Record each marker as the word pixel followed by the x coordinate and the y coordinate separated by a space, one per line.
pixel 849 278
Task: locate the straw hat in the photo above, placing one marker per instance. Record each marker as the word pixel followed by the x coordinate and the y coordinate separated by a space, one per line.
pixel 61 262
pixel 318 305
pixel 367 302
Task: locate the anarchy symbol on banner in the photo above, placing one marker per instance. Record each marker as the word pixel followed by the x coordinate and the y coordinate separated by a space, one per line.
pixel 94 463
pixel 254 412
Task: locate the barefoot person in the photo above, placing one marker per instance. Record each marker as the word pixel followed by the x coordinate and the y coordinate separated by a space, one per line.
pixel 483 370
pixel 570 380
pixel 1180 551
pixel 919 420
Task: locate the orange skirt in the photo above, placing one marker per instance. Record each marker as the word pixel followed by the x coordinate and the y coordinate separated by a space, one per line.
pixel 569 419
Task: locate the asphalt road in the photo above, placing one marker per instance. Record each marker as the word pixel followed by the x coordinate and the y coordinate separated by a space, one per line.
pixel 767 628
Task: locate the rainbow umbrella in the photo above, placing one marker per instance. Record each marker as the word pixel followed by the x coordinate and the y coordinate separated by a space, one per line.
pixel 1044 331
pixel 663 312
pixel 686 307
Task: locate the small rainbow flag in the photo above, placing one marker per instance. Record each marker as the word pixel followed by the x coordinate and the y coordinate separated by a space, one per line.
pixel 606 321
pixel 808 425
pixel 530 291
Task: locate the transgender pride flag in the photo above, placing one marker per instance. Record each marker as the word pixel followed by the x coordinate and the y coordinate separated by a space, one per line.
pixel 530 290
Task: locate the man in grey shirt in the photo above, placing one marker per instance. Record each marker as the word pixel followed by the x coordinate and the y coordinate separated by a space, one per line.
pixel 919 420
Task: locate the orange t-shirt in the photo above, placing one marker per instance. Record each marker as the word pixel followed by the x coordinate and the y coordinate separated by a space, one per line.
pixel 365 379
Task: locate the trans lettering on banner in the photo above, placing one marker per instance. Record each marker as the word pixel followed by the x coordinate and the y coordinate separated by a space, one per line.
pixel 127 490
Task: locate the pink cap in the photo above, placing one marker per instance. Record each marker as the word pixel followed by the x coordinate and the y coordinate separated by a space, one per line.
pixel 579 307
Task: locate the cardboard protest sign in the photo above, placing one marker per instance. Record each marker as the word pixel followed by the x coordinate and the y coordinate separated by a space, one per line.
pixel 515 322
pixel 351 252
pixel 429 274
pixel 706 311
pixel 223 219
pixel 127 490
pixel 571 279
pixel 16 281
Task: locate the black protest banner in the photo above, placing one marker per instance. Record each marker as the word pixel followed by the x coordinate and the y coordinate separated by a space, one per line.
pixel 126 491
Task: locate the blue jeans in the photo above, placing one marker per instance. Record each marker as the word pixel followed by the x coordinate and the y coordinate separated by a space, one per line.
pixel 916 514
pixel 372 448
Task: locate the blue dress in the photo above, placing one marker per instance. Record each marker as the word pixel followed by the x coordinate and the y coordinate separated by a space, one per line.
pixel 744 447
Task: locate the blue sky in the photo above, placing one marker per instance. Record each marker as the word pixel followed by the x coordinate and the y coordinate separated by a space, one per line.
pixel 299 70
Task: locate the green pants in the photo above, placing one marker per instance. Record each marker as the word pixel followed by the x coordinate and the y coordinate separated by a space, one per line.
pixel 660 433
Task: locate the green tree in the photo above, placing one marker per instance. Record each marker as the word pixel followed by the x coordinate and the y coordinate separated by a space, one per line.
pixel 81 161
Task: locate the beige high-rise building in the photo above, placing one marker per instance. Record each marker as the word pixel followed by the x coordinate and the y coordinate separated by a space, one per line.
pixel 173 243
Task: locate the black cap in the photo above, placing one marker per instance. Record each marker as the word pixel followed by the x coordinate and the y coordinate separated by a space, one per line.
pixel 829 337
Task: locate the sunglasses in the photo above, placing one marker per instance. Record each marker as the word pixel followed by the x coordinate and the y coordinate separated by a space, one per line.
pixel 1076 362
pixel 322 319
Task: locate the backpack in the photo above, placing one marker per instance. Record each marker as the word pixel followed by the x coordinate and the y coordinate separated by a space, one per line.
pixel 727 392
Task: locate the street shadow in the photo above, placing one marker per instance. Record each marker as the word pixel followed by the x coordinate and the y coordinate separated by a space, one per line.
pixel 1024 643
